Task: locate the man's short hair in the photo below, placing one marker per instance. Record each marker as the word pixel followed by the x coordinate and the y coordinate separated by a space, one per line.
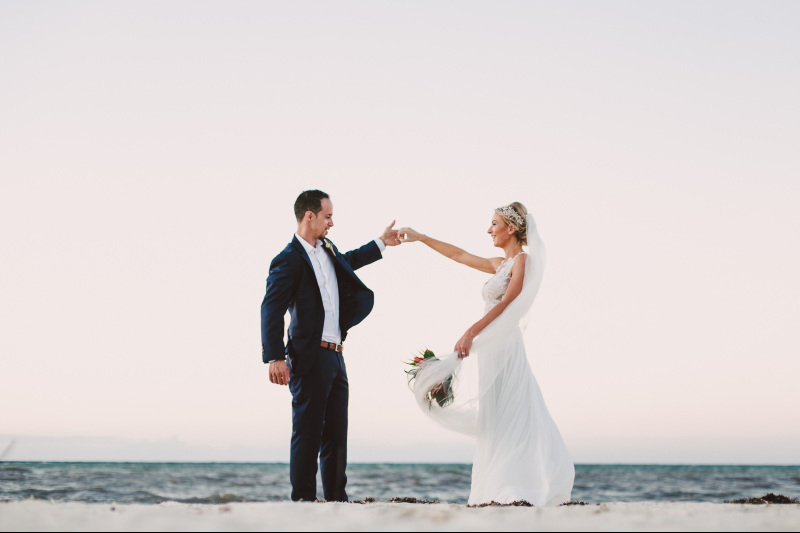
pixel 309 201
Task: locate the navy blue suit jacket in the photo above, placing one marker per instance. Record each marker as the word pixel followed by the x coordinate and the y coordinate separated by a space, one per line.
pixel 292 286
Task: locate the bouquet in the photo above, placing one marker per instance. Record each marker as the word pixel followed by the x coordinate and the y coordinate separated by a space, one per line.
pixel 442 393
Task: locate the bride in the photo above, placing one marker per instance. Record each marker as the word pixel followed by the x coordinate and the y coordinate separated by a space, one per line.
pixel 519 453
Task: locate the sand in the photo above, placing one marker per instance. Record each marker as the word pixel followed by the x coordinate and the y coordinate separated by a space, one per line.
pixel 43 516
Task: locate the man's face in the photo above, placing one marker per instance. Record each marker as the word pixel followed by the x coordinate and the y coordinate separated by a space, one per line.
pixel 323 221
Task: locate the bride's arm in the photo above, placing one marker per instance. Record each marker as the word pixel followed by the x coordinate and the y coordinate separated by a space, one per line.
pixel 452 252
pixel 464 344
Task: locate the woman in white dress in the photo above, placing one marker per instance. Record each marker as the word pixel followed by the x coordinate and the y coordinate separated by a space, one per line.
pixel 520 455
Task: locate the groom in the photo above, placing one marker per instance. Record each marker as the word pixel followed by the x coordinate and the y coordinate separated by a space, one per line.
pixel 318 286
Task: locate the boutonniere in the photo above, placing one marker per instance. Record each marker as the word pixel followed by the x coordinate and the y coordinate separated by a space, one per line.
pixel 329 247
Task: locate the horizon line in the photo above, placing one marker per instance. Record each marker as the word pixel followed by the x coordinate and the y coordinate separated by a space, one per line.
pixel 393 463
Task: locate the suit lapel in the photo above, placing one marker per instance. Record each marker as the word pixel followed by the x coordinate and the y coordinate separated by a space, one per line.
pixel 335 256
pixel 302 252
pixel 338 260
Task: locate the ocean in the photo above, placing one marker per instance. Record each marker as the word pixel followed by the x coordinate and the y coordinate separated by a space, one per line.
pixel 216 483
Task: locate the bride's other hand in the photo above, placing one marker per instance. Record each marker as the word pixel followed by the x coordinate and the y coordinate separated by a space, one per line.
pixel 409 235
pixel 464 345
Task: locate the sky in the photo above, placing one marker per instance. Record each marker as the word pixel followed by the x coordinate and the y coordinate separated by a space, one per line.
pixel 151 153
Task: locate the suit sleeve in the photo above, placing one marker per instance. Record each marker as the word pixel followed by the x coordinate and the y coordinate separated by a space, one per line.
pixel 281 289
pixel 367 254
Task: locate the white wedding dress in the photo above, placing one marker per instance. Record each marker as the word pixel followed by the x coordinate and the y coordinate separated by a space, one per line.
pixel 519 453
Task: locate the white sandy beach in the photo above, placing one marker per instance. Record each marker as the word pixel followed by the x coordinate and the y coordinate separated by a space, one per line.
pixel 42 516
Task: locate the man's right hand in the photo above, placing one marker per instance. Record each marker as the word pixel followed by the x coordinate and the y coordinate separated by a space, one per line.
pixel 279 373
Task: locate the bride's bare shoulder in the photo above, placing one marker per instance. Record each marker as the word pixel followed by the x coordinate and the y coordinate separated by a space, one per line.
pixel 519 264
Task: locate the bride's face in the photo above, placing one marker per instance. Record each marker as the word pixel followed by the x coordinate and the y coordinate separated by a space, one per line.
pixel 500 231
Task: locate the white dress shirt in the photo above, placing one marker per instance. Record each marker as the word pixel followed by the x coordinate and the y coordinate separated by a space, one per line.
pixel 325 273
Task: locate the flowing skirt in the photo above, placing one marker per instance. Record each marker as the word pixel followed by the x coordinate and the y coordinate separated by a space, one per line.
pixel 520 454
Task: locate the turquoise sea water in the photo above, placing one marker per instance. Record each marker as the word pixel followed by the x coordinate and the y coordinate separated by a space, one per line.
pixel 152 483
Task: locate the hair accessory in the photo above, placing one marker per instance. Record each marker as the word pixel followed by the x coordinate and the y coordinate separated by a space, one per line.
pixel 511 213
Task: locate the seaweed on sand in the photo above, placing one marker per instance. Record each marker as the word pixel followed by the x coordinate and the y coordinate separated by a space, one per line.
pixel 364 501
pixel 778 499
pixel 521 503
pixel 395 500
pixel 412 500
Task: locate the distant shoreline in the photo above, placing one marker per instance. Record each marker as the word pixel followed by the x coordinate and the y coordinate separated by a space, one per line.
pixel 207 483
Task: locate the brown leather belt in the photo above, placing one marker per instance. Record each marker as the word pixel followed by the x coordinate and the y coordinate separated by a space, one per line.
pixel 335 347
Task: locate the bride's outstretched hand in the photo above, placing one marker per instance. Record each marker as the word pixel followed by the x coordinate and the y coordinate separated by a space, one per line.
pixel 409 235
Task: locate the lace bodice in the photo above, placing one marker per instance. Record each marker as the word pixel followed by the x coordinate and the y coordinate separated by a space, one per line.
pixel 496 287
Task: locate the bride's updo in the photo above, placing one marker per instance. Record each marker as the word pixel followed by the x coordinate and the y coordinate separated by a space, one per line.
pixel 514 216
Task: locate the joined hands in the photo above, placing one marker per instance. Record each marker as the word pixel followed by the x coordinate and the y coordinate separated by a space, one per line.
pixel 409 235
pixel 391 236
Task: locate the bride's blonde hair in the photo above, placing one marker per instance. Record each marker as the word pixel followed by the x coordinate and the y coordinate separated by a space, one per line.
pixel 514 215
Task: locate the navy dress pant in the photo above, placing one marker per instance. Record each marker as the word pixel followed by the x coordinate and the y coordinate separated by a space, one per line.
pixel 319 429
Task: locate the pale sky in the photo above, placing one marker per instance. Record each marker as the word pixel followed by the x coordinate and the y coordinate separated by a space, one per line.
pixel 150 154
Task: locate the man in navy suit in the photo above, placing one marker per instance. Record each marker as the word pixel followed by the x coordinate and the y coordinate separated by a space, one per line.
pixel 318 286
